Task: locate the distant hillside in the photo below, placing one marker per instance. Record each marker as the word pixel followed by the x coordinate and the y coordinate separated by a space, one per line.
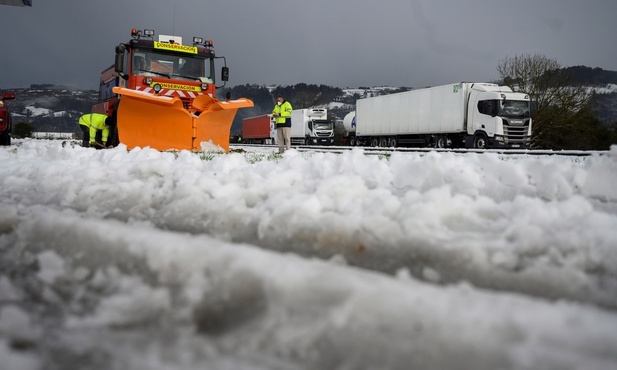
pixel 52 108
pixel 586 76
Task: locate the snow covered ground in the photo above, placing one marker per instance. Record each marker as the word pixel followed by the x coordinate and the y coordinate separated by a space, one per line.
pixel 138 259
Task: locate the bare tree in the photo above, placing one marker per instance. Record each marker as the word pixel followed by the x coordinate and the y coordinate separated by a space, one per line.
pixel 555 98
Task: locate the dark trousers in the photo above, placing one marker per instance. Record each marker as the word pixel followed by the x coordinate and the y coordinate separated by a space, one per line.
pixel 113 137
pixel 86 133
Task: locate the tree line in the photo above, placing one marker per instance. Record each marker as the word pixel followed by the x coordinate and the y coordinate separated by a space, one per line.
pixel 563 115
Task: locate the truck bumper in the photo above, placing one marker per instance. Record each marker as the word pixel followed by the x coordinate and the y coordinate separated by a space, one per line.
pixel 322 141
pixel 499 142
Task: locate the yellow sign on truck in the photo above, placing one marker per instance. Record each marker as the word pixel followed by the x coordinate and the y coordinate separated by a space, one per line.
pixel 175 47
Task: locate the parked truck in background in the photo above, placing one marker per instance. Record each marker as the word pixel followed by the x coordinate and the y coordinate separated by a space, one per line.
pixel 311 127
pixel 259 130
pixel 6 122
pixel 470 115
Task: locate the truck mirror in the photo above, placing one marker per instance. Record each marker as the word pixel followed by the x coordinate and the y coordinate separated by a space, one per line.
pixel 119 66
pixel 119 63
pixel 225 74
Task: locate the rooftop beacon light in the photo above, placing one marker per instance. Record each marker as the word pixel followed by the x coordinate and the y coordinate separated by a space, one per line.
pixel 135 33
pixel 202 41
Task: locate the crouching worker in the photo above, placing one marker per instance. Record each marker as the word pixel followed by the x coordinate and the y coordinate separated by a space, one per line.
pixel 95 127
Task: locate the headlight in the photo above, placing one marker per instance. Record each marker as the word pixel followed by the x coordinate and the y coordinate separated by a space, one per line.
pixel 157 88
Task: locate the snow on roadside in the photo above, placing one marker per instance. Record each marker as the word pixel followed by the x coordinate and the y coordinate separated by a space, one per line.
pixel 120 289
pixel 318 261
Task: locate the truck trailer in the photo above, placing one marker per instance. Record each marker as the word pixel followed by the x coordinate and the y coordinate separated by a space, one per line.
pixel 311 127
pixel 259 130
pixel 469 115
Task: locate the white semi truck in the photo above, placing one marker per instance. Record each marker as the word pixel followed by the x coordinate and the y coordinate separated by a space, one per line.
pixel 311 127
pixel 470 115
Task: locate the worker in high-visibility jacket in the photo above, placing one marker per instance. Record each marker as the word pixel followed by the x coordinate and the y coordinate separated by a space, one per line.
pixel 95 127
pixel 282 116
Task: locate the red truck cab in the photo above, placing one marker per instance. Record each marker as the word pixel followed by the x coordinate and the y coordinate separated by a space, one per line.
pixel 6 123
pixel 165 68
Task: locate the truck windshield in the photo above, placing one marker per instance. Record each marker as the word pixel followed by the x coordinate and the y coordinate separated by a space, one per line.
pixel 182 67
pixel 323 125
pixel 514 108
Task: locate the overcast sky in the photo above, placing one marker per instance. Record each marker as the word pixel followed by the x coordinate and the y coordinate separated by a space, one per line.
pixel 343 43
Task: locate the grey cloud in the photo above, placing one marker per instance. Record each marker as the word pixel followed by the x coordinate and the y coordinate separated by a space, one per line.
pixel 344 43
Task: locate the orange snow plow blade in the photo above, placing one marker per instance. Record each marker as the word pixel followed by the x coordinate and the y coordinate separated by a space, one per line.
pixel 162 123
pixel 214 122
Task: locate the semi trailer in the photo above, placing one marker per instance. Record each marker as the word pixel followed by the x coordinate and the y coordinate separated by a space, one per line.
pixel 259 130
pixel 469 115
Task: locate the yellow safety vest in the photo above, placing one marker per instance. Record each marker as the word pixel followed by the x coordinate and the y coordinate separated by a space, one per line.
pixel 284 111
pixel 96 122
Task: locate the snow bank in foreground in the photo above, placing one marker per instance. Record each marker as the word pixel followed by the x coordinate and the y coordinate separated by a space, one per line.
pixel 147 260
pixel 132 296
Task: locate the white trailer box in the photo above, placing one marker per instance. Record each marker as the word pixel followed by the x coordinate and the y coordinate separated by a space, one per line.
pixel 429 111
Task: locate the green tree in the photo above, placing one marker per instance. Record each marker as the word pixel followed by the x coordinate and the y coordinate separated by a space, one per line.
pixel 561 110
pixel 22 130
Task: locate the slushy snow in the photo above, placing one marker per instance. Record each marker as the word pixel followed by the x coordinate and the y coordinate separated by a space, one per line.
pixel 140 259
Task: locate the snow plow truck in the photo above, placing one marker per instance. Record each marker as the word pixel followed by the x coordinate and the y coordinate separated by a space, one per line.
pixel 162 94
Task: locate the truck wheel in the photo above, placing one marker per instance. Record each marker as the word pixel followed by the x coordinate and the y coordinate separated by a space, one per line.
pixel 383 142
pixel 441 141
pixel 374 142
pixel 352 141
pixel 392 142
pixel 479 141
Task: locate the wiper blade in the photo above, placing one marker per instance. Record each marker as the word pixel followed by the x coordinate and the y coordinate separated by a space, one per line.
pixel 156 73
pixel 185 76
